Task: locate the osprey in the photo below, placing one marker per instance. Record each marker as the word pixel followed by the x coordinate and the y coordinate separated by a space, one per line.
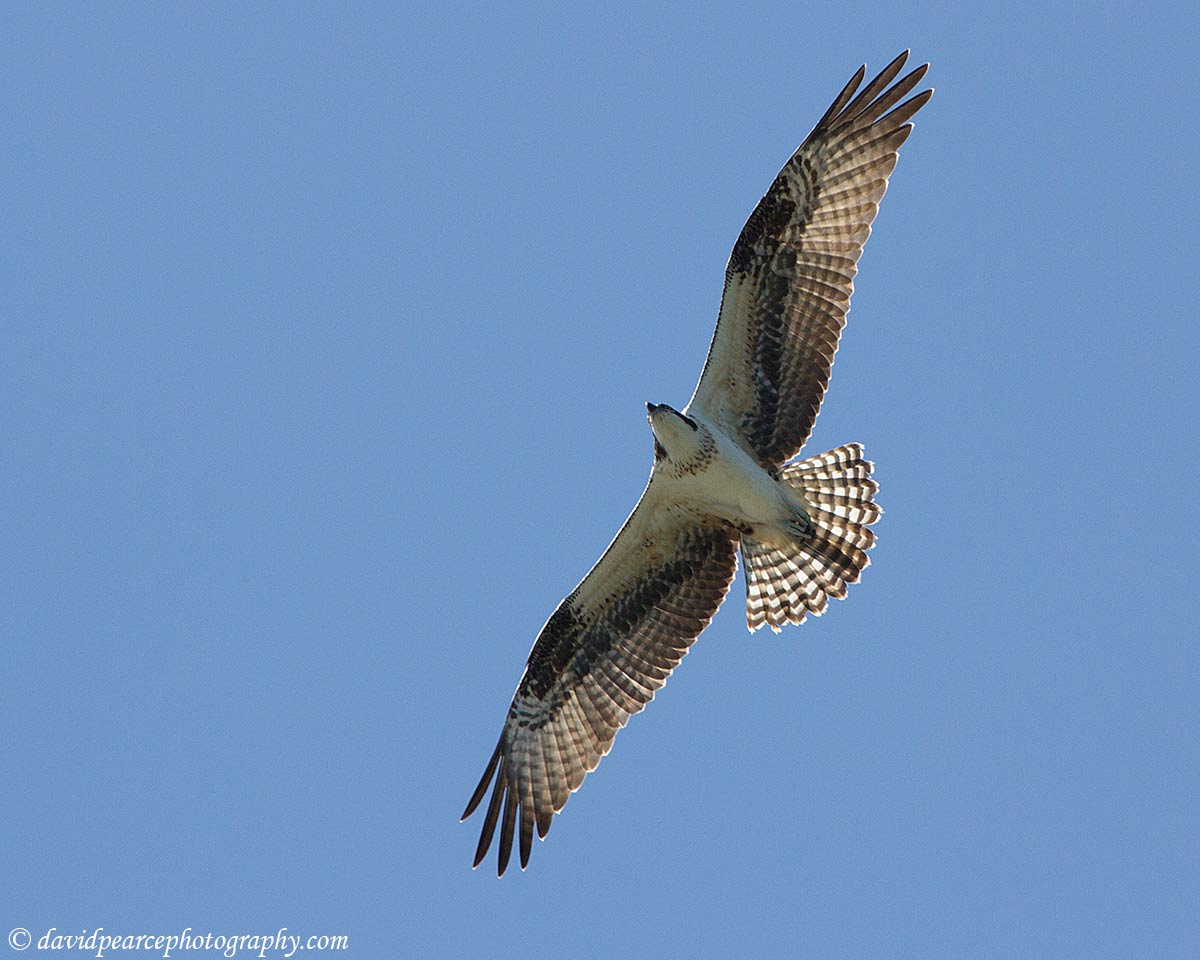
pixel 723 478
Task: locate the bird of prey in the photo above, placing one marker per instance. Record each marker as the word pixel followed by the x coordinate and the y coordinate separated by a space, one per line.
pixel 723 477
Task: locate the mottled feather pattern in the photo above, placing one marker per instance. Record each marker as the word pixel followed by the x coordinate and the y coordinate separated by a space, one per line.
pixel 595 664
pixel 791 274
pixel 614 641
pixel 783 587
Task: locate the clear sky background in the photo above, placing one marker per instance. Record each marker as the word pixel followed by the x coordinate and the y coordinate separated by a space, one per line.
pixel 326 333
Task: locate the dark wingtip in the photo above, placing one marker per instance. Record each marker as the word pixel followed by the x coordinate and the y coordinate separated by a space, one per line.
pixel 489 821
pixel 483 781
pixel 526 828
pixel 913 104
pixel 507 824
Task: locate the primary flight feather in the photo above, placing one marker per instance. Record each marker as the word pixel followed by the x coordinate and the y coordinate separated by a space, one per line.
pixel 721 479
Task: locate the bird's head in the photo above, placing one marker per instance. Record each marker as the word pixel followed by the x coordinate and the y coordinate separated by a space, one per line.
pixel 677 437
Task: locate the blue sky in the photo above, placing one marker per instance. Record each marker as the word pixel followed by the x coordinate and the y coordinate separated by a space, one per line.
pixel 325 337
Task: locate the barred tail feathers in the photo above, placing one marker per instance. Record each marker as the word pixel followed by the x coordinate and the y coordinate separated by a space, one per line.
pixel 783 587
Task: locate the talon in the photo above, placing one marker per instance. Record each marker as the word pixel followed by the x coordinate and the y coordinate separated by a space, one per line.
pixel 804 528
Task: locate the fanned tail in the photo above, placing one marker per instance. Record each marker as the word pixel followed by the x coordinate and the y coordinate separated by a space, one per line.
pixel 785 586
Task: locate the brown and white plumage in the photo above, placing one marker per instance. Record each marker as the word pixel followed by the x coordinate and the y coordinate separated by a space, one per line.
pixel 783 586
pixel 720 481
pixel 789 279
pixel 599 659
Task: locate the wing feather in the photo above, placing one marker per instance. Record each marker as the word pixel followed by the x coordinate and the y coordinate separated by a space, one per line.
pixel 790 276
pixel 527 817
pixel 872 90
pixel 493 810
pixel 507 824
pixel 599 659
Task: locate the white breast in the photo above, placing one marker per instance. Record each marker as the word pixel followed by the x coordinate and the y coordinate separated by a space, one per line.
pixel 733 486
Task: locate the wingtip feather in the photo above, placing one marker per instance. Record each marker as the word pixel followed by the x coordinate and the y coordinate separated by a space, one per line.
pixel 486 779
pixel 506 831
pixel 493 813
pixel 526 822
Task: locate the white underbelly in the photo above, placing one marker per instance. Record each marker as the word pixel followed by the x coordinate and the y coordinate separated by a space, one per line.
pixel 734 487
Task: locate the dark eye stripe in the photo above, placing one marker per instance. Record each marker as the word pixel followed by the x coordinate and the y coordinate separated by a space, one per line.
pixel 689 421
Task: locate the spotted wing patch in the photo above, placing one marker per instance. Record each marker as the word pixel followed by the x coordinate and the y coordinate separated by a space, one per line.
pixel 791 273
pixel 599 660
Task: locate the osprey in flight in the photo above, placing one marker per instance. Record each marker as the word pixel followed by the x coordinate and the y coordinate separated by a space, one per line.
pixel 721 479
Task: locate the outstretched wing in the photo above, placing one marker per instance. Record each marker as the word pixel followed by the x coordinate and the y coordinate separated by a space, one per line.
pixel 791 273
pixel 599 659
